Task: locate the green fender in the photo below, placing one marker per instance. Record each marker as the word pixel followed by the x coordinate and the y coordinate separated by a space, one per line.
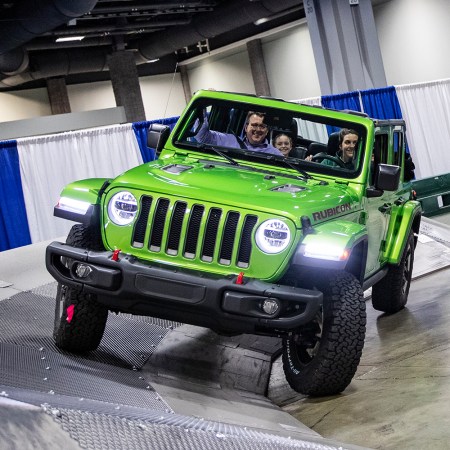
pixel 84 190
pixel 80 201
pixel 403 219
pixel 338 244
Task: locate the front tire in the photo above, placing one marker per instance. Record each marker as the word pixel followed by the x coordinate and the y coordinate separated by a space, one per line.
pixel 321 358
pixel 390 294
pixel 79 320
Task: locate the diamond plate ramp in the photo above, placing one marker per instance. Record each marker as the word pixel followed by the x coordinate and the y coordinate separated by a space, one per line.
pixel 26 319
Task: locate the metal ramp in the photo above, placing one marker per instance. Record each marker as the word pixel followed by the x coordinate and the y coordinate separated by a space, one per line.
pixel 150 384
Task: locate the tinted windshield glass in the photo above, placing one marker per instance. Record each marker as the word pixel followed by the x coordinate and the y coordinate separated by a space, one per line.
pixel 314 143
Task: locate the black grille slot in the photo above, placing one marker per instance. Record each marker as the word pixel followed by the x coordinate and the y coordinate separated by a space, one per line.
pixel 210 237
pixel 245 246
pixel 176 224
pixel 228 238
pixel 159 220
pixel 193 231
pixel 141 223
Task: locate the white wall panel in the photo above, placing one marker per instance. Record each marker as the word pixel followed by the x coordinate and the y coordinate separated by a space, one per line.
pixel 290 64
pixel 229 72
pixel 89 96
pixel 24 104
pixel 414 37
pixel 163 96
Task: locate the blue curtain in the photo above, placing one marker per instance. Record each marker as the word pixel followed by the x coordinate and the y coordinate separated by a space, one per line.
pixel 348 100
pixel 14 230
pixel 381 103
pixel 141 129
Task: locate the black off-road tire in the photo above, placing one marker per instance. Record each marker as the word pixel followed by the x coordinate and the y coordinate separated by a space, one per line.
pixel 85 331
pixel 390 294
pixel 321 358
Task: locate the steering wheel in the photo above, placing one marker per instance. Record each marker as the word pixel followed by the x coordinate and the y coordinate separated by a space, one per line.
pixel 322 156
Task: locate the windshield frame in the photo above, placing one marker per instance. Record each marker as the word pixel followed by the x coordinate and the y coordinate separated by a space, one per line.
pixel 317 115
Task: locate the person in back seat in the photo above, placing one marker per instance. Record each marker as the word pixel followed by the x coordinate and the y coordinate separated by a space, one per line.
pixel 283 142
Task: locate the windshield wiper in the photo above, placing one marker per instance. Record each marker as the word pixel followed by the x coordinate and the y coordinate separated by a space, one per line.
pixel 210 147
pixel 223 155
pixel 298 169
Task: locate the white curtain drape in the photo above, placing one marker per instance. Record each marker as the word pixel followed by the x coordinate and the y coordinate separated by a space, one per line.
pixel 48 163
pixel 426 110
pixel 310 130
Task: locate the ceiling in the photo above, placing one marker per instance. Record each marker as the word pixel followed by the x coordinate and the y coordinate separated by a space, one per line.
pixel 166 31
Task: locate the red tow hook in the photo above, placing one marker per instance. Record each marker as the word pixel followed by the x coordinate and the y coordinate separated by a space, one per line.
pixel 115 255
pixel 69 312
pixel 240 278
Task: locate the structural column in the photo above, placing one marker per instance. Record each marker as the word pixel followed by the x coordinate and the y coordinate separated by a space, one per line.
pixel 259 74
pixel 345 45
pixel 58 96
pixel 185 82
pixel 125 83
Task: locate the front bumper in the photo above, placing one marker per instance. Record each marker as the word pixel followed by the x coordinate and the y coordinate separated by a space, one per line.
pixel 218 302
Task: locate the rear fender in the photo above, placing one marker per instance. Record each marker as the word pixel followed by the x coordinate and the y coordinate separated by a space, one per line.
pixel 403 220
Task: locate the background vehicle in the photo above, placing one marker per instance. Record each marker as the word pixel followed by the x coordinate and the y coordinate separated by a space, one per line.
pixel 241 241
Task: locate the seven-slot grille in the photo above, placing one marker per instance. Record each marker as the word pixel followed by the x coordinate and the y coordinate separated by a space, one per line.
pixel 194 231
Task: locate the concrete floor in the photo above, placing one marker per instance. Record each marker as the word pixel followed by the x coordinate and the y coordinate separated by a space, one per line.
pixel 400 396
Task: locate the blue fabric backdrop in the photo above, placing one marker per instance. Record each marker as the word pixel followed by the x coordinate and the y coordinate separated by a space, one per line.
pixel 381 103
pixel 14 230
pixel 348 100
pixel 141 129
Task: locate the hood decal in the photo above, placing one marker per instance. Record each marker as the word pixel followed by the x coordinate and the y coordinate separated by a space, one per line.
pixel 321 215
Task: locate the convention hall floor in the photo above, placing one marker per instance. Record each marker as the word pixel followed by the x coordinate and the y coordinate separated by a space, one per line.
pixel 398 399
pixel 400 396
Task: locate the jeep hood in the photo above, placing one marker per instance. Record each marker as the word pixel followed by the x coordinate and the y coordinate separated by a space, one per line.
pixel 271 190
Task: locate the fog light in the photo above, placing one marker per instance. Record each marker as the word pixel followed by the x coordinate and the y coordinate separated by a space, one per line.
pixel 270 306
pixel 83 270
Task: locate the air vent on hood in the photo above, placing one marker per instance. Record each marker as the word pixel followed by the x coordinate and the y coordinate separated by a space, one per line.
pixel 289 188
pixel 176 168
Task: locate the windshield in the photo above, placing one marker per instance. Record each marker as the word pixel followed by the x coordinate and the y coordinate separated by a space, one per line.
pixel 277 137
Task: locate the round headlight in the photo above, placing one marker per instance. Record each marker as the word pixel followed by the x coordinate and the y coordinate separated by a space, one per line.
pixel 273 236
pixel 122 208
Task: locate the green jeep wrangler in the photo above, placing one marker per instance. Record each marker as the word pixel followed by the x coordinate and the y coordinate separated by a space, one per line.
pixel 237 238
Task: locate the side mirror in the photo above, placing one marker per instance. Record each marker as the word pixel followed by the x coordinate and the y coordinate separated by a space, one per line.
pixel 387 179
pixel 157 136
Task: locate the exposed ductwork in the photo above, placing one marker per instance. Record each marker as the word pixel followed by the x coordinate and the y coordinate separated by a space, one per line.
pixel 223 19
pixel 32 18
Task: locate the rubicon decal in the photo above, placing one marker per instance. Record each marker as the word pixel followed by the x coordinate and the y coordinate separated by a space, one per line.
pixel 330 212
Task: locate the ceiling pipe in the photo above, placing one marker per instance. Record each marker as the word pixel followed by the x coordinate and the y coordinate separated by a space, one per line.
pixel 205 26
pixel 160 8
pixel 77 31
pixel 71 62
pixel 61 63
pixel 35 18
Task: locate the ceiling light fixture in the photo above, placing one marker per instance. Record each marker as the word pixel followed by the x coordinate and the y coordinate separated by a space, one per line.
pixel 261 21
pixel 278 15
pixel 70 38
